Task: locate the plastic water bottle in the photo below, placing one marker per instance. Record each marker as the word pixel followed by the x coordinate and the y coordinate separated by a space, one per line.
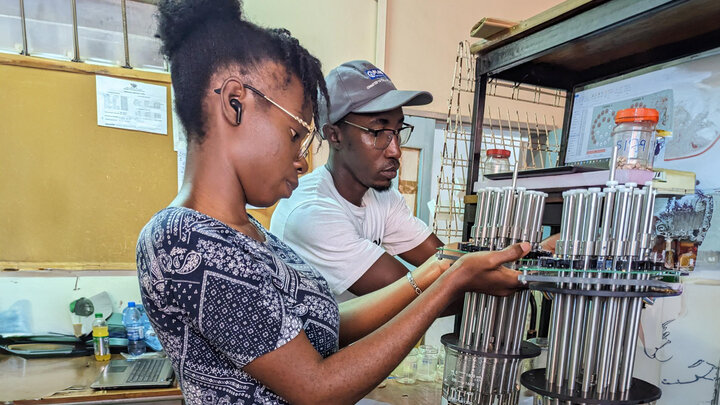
pixel 101 338
pixel 151 339
pixel 134 330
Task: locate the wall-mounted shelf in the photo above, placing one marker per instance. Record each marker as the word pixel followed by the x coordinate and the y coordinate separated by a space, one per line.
pixel 667 182
pixel 583 41
pixel 563 182
pixel 595 39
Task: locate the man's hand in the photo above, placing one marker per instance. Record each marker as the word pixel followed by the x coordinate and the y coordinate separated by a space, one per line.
pixel 549 243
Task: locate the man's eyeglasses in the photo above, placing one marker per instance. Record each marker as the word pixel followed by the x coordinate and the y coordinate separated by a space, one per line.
pixel 383 137
pixel 311 130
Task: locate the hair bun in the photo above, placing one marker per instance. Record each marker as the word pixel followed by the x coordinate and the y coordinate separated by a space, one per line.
pixel 178 18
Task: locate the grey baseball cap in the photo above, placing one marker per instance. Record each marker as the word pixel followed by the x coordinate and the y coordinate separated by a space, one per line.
pixel 360 87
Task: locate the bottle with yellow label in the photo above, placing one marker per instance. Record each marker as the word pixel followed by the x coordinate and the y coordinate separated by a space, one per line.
pixel 101 338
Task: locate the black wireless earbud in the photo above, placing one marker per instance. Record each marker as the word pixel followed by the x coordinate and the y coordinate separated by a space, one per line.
pixel 238 110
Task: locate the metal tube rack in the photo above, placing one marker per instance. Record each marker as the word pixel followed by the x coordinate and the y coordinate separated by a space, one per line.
pixel 598 277
pixel 486 355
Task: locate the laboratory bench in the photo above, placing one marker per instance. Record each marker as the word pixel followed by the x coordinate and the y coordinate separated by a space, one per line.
pixel 67 380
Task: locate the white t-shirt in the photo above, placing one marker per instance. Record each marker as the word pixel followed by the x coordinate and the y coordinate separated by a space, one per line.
pixel 339 238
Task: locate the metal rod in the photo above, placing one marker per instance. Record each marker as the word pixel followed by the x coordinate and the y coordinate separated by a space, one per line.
pixel 482 300
pixel 575 344
pixel 465 324
pixel 536 224
pixel 615 370
pixel 630 345
pixel 613 163
pixel 487 209
pixel 512 322
pixel 479 219
pixel 605 345
pixel 553 341
pixel 76 42
pixel 505 217
pixel 524 299
pixel 488 325
pixel 518 215
pixel 565 326
pixel 539 215
pixel 591 338
pixel 494 219
pixel 125 34
pixel 25 51
pixel 528 214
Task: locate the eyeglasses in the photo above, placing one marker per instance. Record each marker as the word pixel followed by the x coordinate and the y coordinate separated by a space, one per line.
pixel 311 130
pixel 383 137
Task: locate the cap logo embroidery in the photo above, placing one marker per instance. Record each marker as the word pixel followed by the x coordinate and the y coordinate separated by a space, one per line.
pixel 375 74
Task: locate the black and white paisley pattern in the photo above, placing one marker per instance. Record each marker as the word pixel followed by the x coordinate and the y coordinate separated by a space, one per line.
pixel 219 299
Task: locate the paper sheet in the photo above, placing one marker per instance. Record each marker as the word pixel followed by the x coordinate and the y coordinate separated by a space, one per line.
pixel 131 105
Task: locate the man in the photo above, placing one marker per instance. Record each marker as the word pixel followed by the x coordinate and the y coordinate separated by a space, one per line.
pixel 344 217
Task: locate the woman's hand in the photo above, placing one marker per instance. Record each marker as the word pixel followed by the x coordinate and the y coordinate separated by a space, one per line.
pixel 484 271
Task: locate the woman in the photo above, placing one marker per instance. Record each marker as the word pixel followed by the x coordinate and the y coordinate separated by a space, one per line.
pixel 241 316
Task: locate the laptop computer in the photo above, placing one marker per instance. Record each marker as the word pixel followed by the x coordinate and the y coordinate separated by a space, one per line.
pixel 140 373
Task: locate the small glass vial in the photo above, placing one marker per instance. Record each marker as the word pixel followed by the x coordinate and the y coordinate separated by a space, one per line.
pixel 441 364
pixel 634 136
pixel 496 161
pixel 427 363
pixel 407 371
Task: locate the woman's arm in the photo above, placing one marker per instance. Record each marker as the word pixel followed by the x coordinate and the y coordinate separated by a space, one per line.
pixel 298 373
pixel 364 314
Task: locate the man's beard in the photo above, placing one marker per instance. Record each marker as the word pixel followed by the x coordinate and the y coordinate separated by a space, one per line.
pixel 382 188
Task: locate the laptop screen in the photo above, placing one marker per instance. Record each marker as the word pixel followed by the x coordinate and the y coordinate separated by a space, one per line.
pixel 662 87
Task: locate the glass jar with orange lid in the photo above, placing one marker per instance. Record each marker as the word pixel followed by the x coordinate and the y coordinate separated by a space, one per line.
pixel 496 161
pixel 634 136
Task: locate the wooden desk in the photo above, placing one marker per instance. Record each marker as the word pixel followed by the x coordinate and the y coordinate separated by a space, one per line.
pixel 67 380
pixel 420 393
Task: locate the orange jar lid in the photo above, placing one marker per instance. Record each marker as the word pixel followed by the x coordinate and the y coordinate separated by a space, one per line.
pixel 637 115
pixel 502 153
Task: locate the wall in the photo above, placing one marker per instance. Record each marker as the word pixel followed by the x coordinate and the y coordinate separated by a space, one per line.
pixel 334 31
pixel 41 298
pixel 420 38
pixel 423 36
pixel 74 194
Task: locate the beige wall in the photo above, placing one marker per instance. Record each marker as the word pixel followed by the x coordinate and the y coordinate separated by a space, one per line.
pixel 420 41
pixel 335 31
pixel 416 46
pixel 422 38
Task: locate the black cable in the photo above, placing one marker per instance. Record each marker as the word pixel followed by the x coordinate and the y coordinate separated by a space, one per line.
pixel 544 324
pixel 532 332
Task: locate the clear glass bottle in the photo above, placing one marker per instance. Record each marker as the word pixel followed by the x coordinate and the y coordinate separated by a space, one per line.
pixel 496 161
pixel 101 338
pixel 634 136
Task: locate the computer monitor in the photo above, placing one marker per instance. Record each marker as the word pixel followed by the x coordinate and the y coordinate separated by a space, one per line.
pixel 686 93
